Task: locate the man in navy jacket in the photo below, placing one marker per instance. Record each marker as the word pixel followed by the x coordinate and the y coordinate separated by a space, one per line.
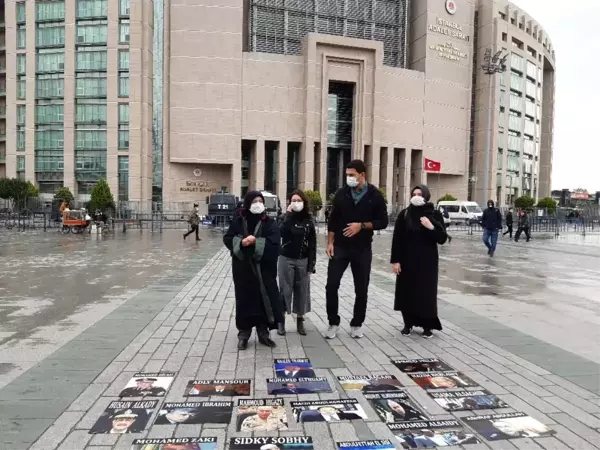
pixel 357 210
pixel 491 221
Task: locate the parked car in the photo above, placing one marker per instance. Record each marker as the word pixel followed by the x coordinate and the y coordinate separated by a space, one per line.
pixel 462 211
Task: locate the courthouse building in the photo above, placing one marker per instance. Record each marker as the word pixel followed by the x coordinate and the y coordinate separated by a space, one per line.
pixel 172 99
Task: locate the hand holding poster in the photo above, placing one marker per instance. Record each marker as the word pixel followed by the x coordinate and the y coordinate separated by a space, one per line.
pixel 395 407
pixel 124 417
pixel 194 413
pixel 266 414
pixel 496 427
pixel 148 385
pixel 224 388
pixel 370 383
pixel 421 365
pixel 367 445
pixel 294 368
pixel 442 380
pixel 467 400
pixel 334 410
pixel 187 443
pixel 431 434
pixel 271 443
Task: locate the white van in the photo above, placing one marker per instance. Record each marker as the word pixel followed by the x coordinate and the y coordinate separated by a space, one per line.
pixel 462 212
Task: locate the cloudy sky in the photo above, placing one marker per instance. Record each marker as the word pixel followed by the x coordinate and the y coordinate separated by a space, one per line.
pixel 574 30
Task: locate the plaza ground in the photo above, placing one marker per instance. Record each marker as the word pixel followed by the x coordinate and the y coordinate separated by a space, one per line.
pixel 80 315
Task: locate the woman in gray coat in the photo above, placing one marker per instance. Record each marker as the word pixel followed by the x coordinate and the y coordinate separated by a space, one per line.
pixel 297 259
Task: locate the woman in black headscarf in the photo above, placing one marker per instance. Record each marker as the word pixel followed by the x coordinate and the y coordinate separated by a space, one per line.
pixel 418 231
pixel 253 239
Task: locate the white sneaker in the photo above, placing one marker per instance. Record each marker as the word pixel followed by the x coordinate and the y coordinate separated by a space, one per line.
pixel 356 332
pixel 332 331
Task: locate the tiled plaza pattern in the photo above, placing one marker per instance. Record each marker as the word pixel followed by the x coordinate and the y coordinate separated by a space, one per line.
pixel 191 330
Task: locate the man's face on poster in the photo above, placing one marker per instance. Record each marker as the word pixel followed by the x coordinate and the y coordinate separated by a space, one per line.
pixel 264 413
pixel 122 424
pixel 181 447
pixel 144 384
pixel 291 368
pixel 178 416
pixel 220 387
pixel 443 382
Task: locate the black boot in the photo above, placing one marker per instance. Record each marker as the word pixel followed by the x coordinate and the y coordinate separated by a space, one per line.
pixel 242 343
pixel 281 329
pixel 264 338
pixel 300 326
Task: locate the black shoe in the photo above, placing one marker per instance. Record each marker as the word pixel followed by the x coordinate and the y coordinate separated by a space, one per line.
pixel 266 340
pixel 427 334
pixel 184 236
pixel 242 344
pixel 198 239
pixel 281 329
pixel 406 331
pixel 489 253
pixel 492 254
pixel 300 326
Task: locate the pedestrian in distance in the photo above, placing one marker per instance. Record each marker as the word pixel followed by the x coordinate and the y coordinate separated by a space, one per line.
pixel 491 221
pixel 509 223
pixel 523 225
pixel 194 222
pixel 254 241
pixel 297 259
pixel 357 210
pixel 418 231
pixel 446 215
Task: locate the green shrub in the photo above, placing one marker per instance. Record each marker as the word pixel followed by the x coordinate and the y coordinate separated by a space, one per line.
pixel 524 201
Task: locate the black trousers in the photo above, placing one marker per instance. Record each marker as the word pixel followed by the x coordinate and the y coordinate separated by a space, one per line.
pixel 359 261
pixel 520 230
pixel 509 231
pixel 261 330
pixel 194 228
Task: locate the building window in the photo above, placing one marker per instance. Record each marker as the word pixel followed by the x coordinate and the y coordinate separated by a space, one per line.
pixel 92 32
pixel 49 161
pixel 89 137
pixel 49 113
pixel 504 37
pixel 49 137
pixel 52 61
pixel 50 35
pixel 21 118
pixel 517 43
pixel 50 86
pixel 124 84
pixel 90 58
pixel 20 9
pixel 123 59
pixel 90 111
pixel 516 102
pixel 21 64
pixel 90 84
pixel 123 178
pixel 21 36
pixel 124 31
pixel 90 166
pixel 517 63
pixel 293 163
pixel 87 9
pixel 21 87
pixel 20 165
pixel 517 83
pixel 123 126
pixel 49 11
pixel 124 7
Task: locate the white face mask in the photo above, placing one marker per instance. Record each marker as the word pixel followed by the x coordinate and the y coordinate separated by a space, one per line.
pixel 297 206
pixel 417 200
pixel 352 181
pixel 257 208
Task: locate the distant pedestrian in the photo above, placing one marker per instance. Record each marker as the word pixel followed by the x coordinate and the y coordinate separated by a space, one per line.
pixel 509 223
pixel 446 215
pixel 297 259
pixel 194 222
pixel 418 231
pixel 523 225
pixel 491 221
pixel 356 211
pixel 327 212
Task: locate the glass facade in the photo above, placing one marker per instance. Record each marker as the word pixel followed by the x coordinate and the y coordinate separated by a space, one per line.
pixel 50 35
pixel 52 11
pixel 157 101
pixel 90 84
pixel 90 58
pixel 49 113
pixel 88 9
pixel 20 12
pixel 124 31
pixel 92 32
pixel 50 61
pixel 21 118
pixel 21 37
pixel 123 126
pixel 339 132
pixel 123 174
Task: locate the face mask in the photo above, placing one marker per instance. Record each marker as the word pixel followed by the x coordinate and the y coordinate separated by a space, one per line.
pixel 257 208
pixel 417 200
pixel 297 206
pixel 490 205
pixel 352 181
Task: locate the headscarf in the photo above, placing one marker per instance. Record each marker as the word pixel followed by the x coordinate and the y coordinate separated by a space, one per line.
pixel 252 219
pixel 414 213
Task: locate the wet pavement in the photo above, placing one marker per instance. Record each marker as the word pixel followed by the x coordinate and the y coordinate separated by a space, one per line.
pixel 524 325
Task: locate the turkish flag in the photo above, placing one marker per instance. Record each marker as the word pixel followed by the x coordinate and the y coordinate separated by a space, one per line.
pixel 432 166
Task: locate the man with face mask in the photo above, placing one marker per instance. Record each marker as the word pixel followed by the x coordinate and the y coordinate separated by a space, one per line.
pixel 357 210
pixel 491 221
pixel 194 222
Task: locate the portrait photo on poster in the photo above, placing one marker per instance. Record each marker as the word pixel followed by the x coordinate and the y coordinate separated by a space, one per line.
pixel 384 444
pixel 148 385
pixel 271 443
pixel 223 388
pixel 467 400
pixel 395 407
pixel 370 383
pixel 178 443
pixel 294 368
pixel 497 427
pixel 123 417
pixel 334 410
pixel 266 414
pixel 421 365
pixel 432 434
pixel 193 413
pixel 442 380
pixel 297 386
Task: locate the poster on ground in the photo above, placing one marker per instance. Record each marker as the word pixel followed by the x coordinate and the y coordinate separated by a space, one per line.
pixel 497 427
pixel 467 400
pixel 296 386
pixel 366 445
pixel 442 380
pixel 271 443
pixel 395 407
pixel 179 443
pixel 223 388
pixel 148 385
pixel 431 434
pixel 421 365
pixel 124 417
pixel 263 414
pixel 334 410
pixel 294 368
pixel 193 413
pixel 370 383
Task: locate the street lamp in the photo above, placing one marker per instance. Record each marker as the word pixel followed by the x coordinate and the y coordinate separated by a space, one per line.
pixel 491 66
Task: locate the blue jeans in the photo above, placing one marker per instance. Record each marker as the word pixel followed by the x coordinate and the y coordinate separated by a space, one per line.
pixel 490 239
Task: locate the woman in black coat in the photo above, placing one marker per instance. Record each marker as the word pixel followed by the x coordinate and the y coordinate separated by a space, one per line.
pixel 253 239
pixel 418 231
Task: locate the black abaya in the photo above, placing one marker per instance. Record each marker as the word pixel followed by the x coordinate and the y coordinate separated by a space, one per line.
pixel 415 248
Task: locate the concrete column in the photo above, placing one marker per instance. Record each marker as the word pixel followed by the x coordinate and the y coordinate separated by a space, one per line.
pixel 306 167
pixel 112 103
pixel 257 169
pixel 374 165
pixel 323 171
pixel 236 178
pixel 282 161
pixel 30 67
pixel 69 99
